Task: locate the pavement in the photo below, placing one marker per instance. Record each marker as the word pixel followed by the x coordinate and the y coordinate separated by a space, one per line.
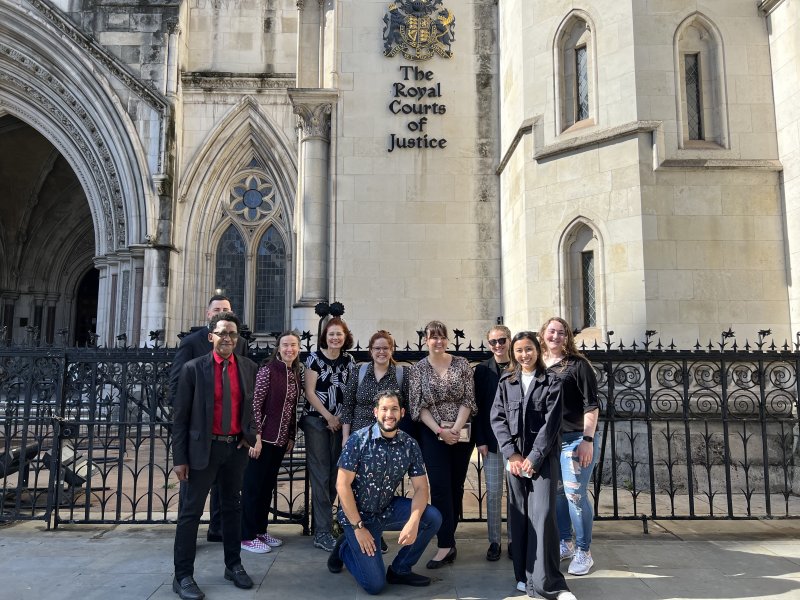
pixel 673 560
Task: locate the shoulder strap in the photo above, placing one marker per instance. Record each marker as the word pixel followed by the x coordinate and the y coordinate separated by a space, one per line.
pixel 362 372
pixel 398 371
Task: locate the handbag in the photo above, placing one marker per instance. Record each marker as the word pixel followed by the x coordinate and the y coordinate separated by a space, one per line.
pixel 464 435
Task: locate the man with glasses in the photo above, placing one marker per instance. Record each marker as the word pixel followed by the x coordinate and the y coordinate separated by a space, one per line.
pixel 487 377
pixel 192 346
pixel 211 432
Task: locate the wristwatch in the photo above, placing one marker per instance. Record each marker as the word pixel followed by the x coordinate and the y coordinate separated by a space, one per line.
pixel 359 525
pixel 588 438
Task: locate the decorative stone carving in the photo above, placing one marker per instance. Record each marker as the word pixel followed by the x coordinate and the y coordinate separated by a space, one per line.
pixel 314 120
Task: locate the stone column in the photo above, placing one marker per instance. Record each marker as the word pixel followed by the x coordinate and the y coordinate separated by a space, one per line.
pixel 308 43
pixel 153 280
pixel 313 108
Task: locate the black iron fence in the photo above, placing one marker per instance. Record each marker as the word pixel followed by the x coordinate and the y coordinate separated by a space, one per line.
pixel 85 436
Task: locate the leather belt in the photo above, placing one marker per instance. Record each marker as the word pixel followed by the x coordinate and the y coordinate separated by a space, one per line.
pixel 228 439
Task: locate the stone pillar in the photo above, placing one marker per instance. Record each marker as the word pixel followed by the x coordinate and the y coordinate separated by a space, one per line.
pixel 313 108
pixel 153 281
pixel 308 43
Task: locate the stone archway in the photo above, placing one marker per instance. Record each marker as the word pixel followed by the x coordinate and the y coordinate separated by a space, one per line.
pixel 70 91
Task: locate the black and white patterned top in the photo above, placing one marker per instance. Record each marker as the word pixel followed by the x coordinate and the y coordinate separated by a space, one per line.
pixel 379 464
pixel 359 398
pixel 331 380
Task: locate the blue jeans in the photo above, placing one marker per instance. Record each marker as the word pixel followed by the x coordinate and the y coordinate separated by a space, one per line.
pixel 369 571
pixel 573 504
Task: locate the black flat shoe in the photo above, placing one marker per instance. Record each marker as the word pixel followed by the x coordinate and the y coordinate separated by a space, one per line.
pixel 410 578
pixel 187 589
pixel 447 560
pixel 493 553
pixel 239 577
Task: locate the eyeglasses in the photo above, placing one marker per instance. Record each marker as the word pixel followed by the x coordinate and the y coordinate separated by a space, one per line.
pixel 501 341
pixel 230 335
pixel 381 349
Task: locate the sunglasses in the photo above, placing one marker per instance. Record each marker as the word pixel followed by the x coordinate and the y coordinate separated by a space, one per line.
pixel 225 334
pixel 502 341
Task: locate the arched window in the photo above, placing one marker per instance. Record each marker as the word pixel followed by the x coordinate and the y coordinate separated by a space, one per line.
pixel 270 282
pixel 575 72
pixel 699 68
pixel 252 257
pixel 582 275
pixel 230 271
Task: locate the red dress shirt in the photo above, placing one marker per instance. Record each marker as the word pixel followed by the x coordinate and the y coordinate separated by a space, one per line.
pixel 236 396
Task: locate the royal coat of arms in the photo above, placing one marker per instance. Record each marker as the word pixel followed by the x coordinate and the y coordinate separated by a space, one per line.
pixel 419 29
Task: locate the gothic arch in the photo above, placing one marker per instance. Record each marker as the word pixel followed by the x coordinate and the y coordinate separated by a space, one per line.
pixel 575 233
pixel 50 82
pixel 244 136
pixel 697 34
pixel 565 40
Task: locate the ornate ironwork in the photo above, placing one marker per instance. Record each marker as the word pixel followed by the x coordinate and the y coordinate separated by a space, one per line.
pixel 698 434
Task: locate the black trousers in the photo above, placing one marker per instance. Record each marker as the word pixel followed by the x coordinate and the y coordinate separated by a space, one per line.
pixel 532 522
pixel 447 469
pixel 225 467
pixel 260 478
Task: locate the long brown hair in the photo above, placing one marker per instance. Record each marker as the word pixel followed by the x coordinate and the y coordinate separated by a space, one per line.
pixel 569 347
pixel 295 366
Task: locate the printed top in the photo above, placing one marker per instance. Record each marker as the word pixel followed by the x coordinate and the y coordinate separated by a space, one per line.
pixel 331 379
pixel 359 398
pixel 379 464
pixel 444 395
pixel 275 402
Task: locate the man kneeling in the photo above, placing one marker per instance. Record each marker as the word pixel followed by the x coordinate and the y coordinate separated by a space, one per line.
pixel 372 465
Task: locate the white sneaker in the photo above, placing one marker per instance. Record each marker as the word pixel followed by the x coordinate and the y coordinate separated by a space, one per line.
pixel 256 546
pixel 581 562
pixel 522 587
pixel 566 596
pixel 567 549
pixel 273 542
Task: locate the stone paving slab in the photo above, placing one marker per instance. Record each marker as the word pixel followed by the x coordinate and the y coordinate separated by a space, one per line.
pixel 675 560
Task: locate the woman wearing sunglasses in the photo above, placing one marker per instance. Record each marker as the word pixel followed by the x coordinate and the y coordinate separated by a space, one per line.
pixel 487 376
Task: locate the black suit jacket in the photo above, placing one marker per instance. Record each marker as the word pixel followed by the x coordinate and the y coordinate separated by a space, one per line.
pixel 193 415
pixel 194 345
pixel 487 376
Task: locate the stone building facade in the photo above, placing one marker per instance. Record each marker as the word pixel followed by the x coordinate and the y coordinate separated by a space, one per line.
pixel 629 165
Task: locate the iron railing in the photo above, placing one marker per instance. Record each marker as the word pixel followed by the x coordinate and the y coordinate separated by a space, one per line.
pixel 698 434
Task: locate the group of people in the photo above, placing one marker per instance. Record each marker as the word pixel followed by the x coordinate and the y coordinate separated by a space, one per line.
pixel 531 409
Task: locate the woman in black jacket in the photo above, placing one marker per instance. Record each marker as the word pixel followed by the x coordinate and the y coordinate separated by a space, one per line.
pixel 526 419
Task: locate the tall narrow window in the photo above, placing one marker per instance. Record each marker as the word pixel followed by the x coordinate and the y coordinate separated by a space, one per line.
pixel 229 275
pixel 694 106
pixel 589 296
pixel 270 282
pixel 582 83
pixel 576 72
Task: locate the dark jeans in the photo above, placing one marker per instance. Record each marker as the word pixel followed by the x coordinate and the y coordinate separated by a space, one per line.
pixel 369 571
pixel 323 448
pixel 532 522
pixel 260 478
pixel 447 469
pixel 226 465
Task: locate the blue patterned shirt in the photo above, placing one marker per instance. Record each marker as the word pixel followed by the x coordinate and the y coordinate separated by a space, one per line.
pixel 379 464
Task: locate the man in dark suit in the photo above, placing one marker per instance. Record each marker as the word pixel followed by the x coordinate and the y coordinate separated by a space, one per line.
pixel 211 431
pixel 193 345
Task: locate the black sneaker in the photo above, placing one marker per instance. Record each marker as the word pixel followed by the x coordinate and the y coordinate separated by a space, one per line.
pixel 384 546
pixel 335 562
pixel 409 578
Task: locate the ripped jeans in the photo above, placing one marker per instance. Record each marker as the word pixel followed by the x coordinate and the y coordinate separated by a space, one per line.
pixel 573 504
